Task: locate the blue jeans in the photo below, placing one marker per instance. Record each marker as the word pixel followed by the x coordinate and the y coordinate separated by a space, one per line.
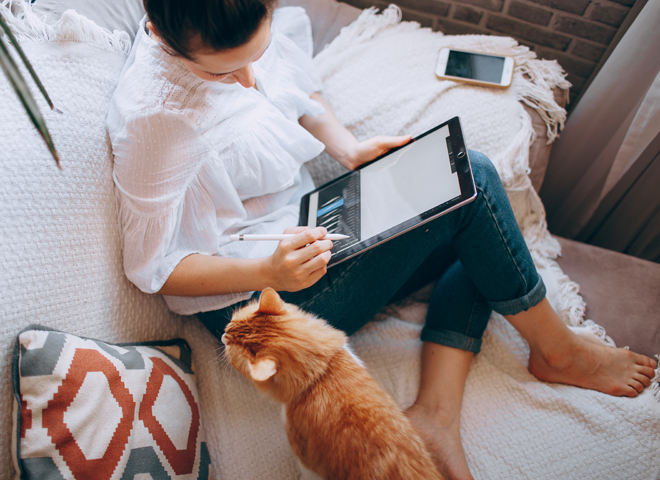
pixel 477 252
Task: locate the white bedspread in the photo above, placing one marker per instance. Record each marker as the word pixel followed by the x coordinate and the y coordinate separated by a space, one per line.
pixel 513 425
pixel 378 75
pixel 61 264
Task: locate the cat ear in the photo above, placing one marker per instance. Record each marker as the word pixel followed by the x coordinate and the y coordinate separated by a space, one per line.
pixel 262 369
pixel 270 303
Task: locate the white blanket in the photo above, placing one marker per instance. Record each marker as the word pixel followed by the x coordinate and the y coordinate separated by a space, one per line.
pixel 513 426
pixel 61 264
pixel 379 76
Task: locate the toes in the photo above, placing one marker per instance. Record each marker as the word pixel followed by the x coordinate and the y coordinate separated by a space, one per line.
pixel 644 361
pixel 646 371
pixel 643 379
pixel 636 385
pixel 629 391
pixel 621 390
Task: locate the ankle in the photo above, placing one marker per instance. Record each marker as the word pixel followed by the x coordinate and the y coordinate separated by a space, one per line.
pixel 443 414
pixel 556 350
pixel 572 352
pixel 553 358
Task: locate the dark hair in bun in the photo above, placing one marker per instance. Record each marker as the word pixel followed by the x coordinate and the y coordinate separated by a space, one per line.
pixel 188 26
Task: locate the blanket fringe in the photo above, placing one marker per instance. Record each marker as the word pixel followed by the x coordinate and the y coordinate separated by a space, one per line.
pixel 541 77
pixel 655 383
pixel 545 249
pixel 72 27
pixel 571 306
pixel 368 25
pixel 593 332
pixel 365 27
pixel 516 177
pixel 535 78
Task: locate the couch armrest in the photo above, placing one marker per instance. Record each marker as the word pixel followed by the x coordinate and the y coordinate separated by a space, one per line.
pixel 327 16
pixel 621 292
pixel 539 150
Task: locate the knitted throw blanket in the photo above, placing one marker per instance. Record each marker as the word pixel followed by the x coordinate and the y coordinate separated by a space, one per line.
pixel 378 75
pixel 61 261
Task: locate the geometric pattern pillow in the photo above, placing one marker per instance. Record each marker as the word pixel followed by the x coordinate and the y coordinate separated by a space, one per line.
pixel 86 409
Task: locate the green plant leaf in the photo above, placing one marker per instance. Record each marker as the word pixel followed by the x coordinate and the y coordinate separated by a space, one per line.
pixel 28 65
pixel 25 96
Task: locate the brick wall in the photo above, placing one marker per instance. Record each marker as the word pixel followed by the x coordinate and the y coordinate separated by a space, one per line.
pixel 576 33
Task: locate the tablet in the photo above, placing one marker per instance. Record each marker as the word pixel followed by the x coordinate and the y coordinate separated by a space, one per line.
pixel 396 192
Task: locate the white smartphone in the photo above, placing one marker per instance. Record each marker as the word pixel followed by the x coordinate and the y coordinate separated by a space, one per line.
pixel 472 67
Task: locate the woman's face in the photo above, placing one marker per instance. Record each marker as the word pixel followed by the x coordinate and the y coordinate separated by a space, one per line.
pixel 231 65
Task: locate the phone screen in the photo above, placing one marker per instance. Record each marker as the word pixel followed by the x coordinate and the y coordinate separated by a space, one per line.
pixel 475 66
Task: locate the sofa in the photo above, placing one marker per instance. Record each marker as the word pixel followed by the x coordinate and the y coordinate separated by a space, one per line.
pixel 61 268
pixel 615 286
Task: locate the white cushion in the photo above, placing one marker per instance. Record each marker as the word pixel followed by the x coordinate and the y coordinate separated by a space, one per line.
pixel 122 15
pixel 60 258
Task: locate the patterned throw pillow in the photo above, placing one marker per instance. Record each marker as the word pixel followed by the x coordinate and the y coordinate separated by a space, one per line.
pixel 89 409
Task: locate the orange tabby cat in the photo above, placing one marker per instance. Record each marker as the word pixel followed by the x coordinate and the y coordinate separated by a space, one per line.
pixel 339 422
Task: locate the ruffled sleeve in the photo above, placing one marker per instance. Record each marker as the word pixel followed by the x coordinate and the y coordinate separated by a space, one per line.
pixel 286 69
pixel 165 211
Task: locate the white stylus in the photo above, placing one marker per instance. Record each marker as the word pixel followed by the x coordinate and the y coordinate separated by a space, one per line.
pixel 260 237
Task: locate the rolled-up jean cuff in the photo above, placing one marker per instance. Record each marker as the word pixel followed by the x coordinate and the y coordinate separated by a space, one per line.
pixel 524 303
pixel 451 339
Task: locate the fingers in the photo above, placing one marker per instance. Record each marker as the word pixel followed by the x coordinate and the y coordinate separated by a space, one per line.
pixel 318 266
pixel 374 147
pixel 305 238
pixel 302 259
pixel 385 143
pixel 294 230
pixel 316 275
pixel 311 271
pixel 314 250
pixel 318 262
pixel 400 140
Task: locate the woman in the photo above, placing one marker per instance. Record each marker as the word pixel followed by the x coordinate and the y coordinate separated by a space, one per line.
pixel 215 114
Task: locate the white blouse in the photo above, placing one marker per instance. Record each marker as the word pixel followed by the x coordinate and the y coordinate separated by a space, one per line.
pixel 196 161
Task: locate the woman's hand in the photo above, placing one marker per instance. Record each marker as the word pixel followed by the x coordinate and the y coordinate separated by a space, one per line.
pixel 299 262
pixel 373 148
pixel 341 144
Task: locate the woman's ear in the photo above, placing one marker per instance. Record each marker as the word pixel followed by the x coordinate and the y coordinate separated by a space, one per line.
pixel 262 369
pixel 150 27
pixel 153 33
pixel 270 303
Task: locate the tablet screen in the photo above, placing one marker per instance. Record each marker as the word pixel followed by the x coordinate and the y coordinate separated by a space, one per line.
pixel 384 197
pixel 407 183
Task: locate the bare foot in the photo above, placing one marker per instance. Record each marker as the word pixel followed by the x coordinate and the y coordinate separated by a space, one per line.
pixel 615 371
pixel 442 437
